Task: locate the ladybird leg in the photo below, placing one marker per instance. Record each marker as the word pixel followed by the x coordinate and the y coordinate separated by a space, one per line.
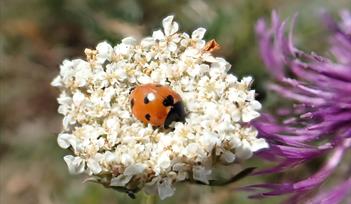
pixel 131 89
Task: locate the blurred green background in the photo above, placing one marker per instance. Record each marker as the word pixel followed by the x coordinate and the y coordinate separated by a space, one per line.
pixel 36 35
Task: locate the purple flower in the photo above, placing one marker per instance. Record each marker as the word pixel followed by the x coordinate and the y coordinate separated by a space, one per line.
pixel 318 125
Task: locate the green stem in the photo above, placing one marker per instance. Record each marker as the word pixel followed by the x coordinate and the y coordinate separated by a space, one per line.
pixel 148 199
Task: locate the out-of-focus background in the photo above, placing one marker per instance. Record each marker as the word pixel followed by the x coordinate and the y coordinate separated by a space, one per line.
pixel 35 37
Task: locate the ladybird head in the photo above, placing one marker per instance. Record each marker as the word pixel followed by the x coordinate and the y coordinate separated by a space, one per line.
pixel 176 113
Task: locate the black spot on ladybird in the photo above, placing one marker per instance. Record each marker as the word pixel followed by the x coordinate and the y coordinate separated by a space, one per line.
pixel 132 103
pixel 146 100
pixel 148 116
pixel 168 101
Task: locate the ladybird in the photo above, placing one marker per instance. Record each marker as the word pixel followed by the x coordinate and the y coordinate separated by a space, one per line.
pixel 156 104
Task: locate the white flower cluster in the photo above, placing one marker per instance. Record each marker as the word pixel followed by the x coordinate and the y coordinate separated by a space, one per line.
pixel 107 140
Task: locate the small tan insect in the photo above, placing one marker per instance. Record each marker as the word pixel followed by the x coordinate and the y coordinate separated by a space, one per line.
pixel 211 46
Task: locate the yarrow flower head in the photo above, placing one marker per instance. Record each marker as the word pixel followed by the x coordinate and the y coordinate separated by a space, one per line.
pixel 319 124
pixel 118 150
